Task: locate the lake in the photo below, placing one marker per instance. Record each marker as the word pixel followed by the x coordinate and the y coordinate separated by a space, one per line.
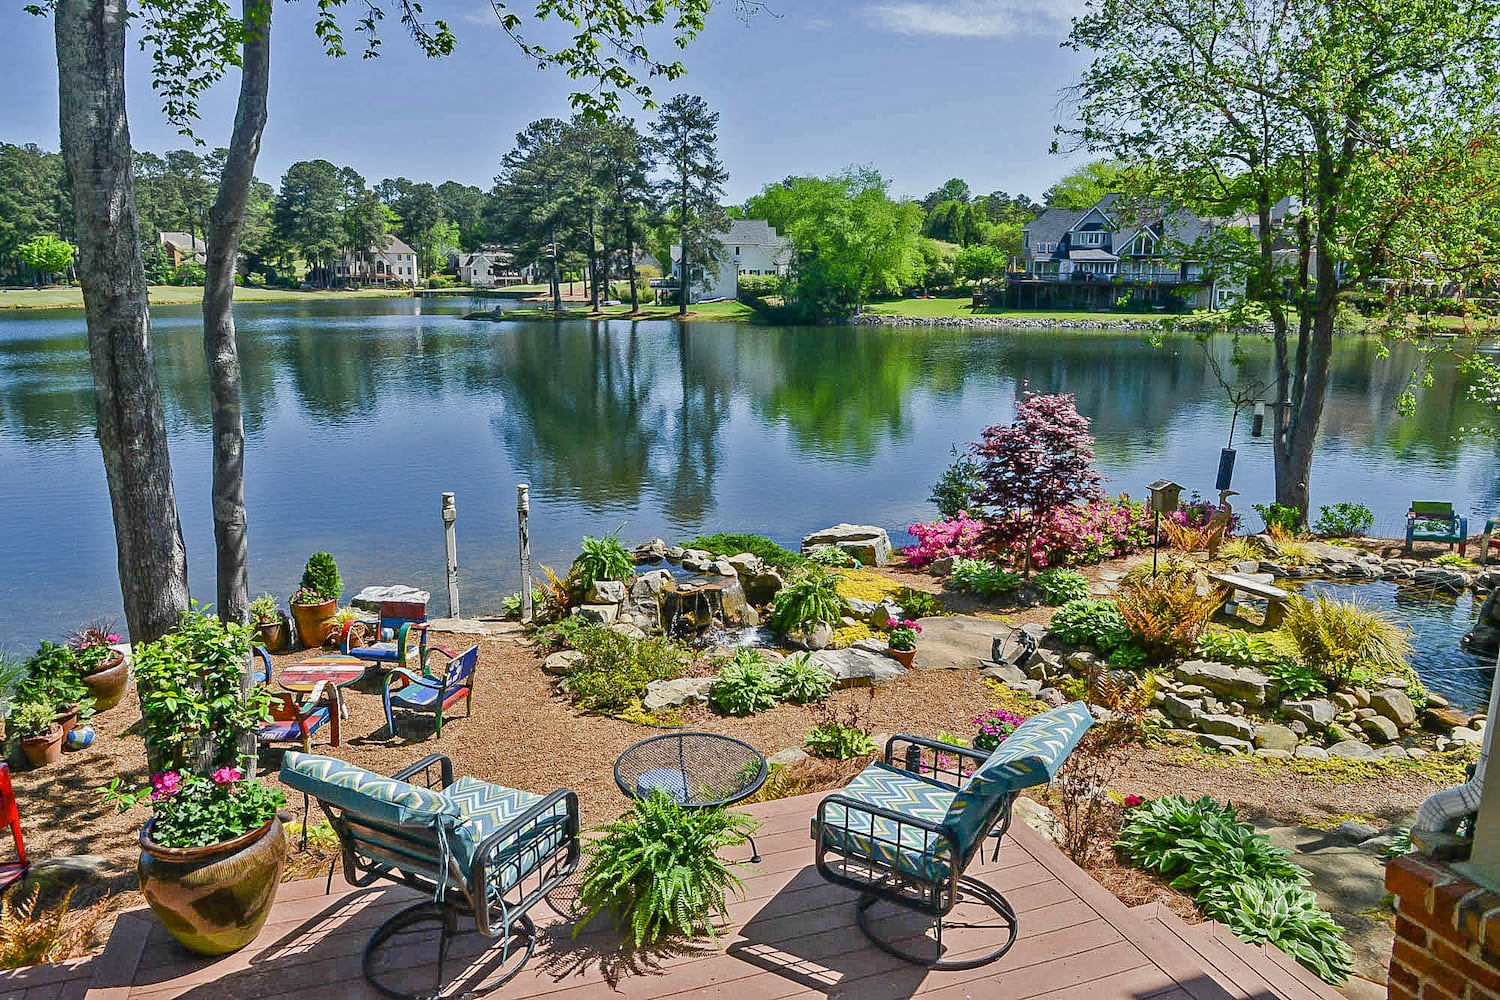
pixel 361 413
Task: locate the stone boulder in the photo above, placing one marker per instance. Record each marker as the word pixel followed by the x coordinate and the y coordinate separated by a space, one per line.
pixel 1484 639
pixel 1454 581
pixel 651 551
pixel 643 603
pixel 607 592
pixel 1444 719
pixel 1181 709
pixel 1213 741
pixel 1239 683
pixel 560 664
pixel 676 693
pixel 865 542
pixel 371 598
pixel 746 564
pixel 1379 729
pixel 763 587
pixel 1353 750
pixel 1274 737
pixel 1315 713
pixel 858 668
pixel 815 638
pixel 956 641
pixel 1396 706
pixel 1225 725
pixel 1309 752
pixel 604 614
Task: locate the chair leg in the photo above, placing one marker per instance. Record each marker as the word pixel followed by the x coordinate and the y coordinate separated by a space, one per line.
pixel 969 887
pixel 440 723
pixel 446 919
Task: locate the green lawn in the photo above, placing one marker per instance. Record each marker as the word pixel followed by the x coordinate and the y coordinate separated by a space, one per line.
pixel 64 297
pixel 942 308
pixel 721 312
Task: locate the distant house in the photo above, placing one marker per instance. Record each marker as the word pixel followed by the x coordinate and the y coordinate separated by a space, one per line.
pixel 1093 258
pixel 184 247
pixel 751 246
pixel 393 263
pixel 488 268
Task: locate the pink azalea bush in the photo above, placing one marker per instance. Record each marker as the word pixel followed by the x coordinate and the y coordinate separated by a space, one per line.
pixel 1076 535
pixel 959 537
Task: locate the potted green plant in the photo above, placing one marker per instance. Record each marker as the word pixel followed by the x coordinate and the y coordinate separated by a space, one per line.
pixel 901 644
pixel 53 678
pixel 316 600
pixel 101 667
pixel 213 851
pixel 270 624
pixel 40 735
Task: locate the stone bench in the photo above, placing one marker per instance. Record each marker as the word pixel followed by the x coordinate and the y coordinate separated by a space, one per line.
pixel 1275 597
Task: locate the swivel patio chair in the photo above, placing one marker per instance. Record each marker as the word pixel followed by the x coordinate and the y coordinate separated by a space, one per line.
pixel 400 637
pixel 296 722
pixel 1436 521
pixel 412 692
pixel 483 852
pixel 905 829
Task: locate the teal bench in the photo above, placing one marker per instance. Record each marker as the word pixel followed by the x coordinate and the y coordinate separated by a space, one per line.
pixel 1436 521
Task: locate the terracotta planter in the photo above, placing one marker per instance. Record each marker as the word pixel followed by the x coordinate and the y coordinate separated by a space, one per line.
pixel 901 656
pixel 43 750
pixel 107 684
pixel 275 636
pixel 214 899
pixel 314 622
pixel 67 718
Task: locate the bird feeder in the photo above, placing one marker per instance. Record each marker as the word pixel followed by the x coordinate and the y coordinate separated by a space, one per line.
pixel 1165 496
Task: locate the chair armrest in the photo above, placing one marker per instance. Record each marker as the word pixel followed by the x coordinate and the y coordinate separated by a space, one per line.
pixel 410 677
pixel 852 806
pixel 424 767
pixel 265 658
pixel 316 696
pixel 529 818
pixel 914 747
pixel 547 878
pixel 347 632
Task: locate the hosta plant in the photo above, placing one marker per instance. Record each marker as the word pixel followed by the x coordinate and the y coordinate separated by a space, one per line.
pixel 835 741
pixel 1090 623
pixel 657 870
pixel 802 681
pixel 745 686
pixel 979 576
pixel 1057 587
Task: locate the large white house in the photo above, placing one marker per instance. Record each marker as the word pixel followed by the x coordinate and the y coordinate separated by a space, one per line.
pixel 750 247
pixel 394 263
pixel 488 268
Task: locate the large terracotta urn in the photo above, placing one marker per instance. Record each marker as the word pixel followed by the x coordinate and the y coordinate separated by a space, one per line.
pixel 314 622
pixel 214 899
pixel 107 684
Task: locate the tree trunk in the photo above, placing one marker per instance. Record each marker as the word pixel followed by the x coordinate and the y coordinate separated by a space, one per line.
pixel 95 139
pixel 682 285
pixel 226 218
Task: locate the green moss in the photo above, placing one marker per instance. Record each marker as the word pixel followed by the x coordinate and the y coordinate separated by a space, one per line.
pixel 732 544
pixel 1013 701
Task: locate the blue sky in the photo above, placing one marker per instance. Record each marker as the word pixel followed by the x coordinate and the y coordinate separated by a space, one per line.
pixel 921 90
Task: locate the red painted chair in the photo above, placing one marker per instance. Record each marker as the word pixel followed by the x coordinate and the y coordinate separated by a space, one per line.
pixel 295 722
pixel 400 638
pixel 11 872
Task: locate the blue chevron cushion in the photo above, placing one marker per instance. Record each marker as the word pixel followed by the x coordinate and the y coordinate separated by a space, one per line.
pixel 1029 756
pixel 907 849
pixel 486 808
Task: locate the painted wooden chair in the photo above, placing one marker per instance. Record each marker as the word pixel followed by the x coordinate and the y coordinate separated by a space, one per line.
pixel 905 829
pixel 481 851
pixel 296 722
pixel 260 667
pixel 11 872
pixel 400 637
pixel 1436 521
pixel 412 692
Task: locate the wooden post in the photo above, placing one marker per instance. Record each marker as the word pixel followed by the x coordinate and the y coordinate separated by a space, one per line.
pixel 523 513
pixel 450 536
pixel 1484 862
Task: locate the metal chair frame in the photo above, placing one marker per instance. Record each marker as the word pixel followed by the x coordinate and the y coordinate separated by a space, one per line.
pixel 433 869
pixel 443 686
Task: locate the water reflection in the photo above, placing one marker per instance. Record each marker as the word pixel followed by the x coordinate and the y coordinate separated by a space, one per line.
pixel 361 411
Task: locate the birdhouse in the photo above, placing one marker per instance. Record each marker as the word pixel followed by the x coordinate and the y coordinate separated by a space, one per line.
pixel 1165 495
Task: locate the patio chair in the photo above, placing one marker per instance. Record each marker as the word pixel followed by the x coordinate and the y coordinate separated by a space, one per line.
pixel 295 722
pixel 483 852
pixel 11 872
pixel 905 829
pixel 400 637
pixel 412 692
pixel 1435 521
pixel 260 672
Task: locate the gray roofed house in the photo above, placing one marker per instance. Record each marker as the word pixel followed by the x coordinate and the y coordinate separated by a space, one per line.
pixel 751 246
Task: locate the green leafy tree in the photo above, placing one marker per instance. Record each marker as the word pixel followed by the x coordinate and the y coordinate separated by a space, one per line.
pixel 307 221
pixel 33 201
pixel 981 263
pixel 687 140
pixel 954 189
pixel 1081 188
pixel 625 166
pixel 463 205
pixel 956 222
pixel 46 255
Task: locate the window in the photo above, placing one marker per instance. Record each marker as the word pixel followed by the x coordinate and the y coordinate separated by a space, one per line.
pixel 1091 238
pixel 736 251
pixel 1144 246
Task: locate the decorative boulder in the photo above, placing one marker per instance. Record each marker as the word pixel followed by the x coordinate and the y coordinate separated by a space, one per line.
pixel 857 668
pixel 1352 750
pixel 1273 737
pixel 1213 741
pixel 675 693
pixel 817 637
pixel 1396 706
pixel 746 564
pixel 560 664
pixel 651 551
pixel 607 592
pixel 764 586
pixel 1225 725
pixel 371 598
pixel 1316 713
pixel 604 614
pixel 865 542
pixel 1239 683
pixel 1454 581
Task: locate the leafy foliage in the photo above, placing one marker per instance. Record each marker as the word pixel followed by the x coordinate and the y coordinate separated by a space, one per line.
pixel 979 576
pixel 1455 560
pixel 801 681
pixel 835 741
pixel 32 720
pixel 1276 515
pixel 1165 616
pixel 810 597
pixel 1344 520
pixel 1294 680
pixel 321 576
pixel 919 603
pixel 1129 657
pixel 33 934
pixel 1242 648
pixel 1042 461
pixel 657 869
pixel 615 669
pixel 52 678
pixel 602 559
pixel 1059 586
pixel 993 726
pixel 264 610
pixel 1342 640
pixel 731 544
pixel 746 686
pixel 1087 622
pixel 953 493
pixel 903 635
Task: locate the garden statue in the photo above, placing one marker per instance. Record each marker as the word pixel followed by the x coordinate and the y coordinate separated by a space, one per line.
pixel 1220 522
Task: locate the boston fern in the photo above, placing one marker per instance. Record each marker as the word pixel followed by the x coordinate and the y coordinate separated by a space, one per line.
pixel 657 869
pixel 602 559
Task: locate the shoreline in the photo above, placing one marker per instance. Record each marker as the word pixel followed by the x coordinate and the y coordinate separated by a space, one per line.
pixel 56 297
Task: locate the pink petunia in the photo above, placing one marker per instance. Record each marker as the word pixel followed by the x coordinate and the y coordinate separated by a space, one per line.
pixel 164 785
pixel 227 775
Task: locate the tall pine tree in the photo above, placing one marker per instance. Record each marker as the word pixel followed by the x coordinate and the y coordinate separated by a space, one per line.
pixel 687 140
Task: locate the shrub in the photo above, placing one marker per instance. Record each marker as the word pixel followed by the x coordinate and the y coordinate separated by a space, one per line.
pixel 563 634
pixel 801 681
pixel 602 559
pixel 919 603
pixel 1240 550
pixel 953 493
pixel 958 536
pixel 1129 657
pixel 1455 560
pixel 1344 520
pixel 1043 461
pixel 31 720
pixel 728 544
pixel 835 741
pixel 657 869
pixel 264 610
pixel 1342 640
pixel 321 576
pixel 615 669
pixel 1166 615
pixel 1196 512
pixel 745 686
pixel 1241 648
pixel 978 576
pixel 810 597
pixel 1277 515
pixel 1189 538
pixel 1079 535
pixel 1059 586
pixel 52 678
pixel 760 286
pixel 1095 623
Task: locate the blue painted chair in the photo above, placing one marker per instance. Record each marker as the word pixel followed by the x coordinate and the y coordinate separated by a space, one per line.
pixel 1436 521
pixel 260 667
pixel 400 637
pixel 413 692
pixel 483 852
pixel 904 833
pixel 296 722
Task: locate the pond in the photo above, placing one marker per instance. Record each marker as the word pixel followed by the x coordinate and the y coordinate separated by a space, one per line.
pixel 360 413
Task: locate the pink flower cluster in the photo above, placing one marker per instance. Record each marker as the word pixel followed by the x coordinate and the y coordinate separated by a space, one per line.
pixel 227 775
pixel 959 536
pixel 112 638
pixel 1131 801
pixel 164 785
pixel 1077 535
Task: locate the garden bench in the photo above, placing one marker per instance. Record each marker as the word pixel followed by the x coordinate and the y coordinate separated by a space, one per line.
pixel 1274 597
pixel 1436 521
pixel 905 829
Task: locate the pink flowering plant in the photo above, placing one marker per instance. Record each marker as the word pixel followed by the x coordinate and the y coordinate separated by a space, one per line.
pixel 196 717
pixel 903 635
pixel 90 645
pixel 960 536
pixel 993 727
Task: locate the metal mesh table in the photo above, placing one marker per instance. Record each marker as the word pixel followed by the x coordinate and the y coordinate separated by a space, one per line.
pixel 697 770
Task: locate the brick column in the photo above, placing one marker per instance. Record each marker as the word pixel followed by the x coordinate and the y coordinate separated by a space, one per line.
pixel 1447 934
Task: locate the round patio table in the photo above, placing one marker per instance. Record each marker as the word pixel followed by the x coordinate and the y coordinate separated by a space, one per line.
pixel 337 669
pixel 697 770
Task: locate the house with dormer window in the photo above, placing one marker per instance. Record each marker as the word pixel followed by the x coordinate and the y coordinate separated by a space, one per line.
pixel 1095 257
